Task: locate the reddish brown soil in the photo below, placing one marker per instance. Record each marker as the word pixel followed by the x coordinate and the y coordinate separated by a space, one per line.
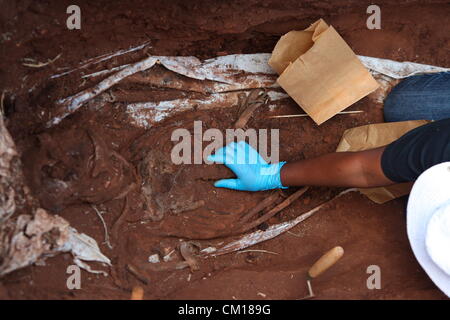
pixel 371 234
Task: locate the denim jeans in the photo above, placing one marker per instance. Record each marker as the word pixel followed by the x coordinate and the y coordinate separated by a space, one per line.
pixel 420 97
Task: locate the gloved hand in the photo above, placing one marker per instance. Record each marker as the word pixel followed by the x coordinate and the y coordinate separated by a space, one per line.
pixel 252 171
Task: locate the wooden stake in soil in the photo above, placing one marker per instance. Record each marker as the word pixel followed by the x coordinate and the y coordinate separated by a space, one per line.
pixel 137 293
pixel 327 260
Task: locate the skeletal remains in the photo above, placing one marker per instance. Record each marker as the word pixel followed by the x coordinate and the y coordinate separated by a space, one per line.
pixel 28 233
pixel 222 81
pixel 222 77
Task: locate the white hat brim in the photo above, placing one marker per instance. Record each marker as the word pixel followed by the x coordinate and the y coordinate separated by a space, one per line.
pixel 430 191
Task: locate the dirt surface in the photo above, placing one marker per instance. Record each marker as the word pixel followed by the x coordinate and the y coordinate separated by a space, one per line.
pixel 96 159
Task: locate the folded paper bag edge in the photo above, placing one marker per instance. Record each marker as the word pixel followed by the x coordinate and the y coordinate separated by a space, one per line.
pixel 282 56
pixel 317 27
pixel 381 195
pixel 372 136
pixel 278 60
pixel 296 82
pixel 318 109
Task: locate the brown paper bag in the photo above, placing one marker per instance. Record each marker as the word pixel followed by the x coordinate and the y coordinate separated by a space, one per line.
pixel 320 71
pixel 374 136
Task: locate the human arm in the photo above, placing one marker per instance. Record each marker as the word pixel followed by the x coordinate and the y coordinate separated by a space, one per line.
pixel 401 161
pixel 341 169
pixel 345 169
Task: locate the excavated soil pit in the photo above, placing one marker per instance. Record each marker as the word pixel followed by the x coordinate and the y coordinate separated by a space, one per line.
pixel 97 158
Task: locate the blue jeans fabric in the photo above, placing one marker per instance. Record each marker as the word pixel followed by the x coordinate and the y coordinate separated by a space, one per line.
pixel 420 97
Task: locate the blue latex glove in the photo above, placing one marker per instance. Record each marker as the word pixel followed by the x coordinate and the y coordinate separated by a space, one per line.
pixel 252 171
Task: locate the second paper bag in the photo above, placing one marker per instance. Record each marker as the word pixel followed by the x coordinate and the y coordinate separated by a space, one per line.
pixel 373 136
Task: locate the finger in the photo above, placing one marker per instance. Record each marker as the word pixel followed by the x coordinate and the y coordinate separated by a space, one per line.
pixel 218 157
pixel 241 152
pixel 228 183
pixel 224 155
pixel 251 154
pixel 230 151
